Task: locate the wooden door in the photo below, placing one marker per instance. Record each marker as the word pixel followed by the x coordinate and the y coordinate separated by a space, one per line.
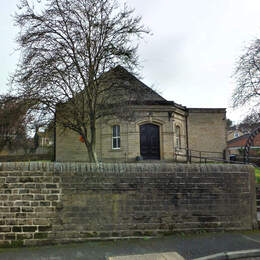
pixel 150 142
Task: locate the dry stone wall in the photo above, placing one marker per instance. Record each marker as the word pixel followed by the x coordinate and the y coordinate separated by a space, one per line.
pixel 47 203
pixel 28 202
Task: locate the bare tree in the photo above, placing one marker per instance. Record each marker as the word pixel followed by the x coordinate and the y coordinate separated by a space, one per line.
pixel 247 92
pixel 247 74
pixel 68 48
pixel 13 121
pixel 250 122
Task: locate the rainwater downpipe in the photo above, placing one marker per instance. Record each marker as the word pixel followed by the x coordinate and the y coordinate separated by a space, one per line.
pixel 54 137
pixel 187 136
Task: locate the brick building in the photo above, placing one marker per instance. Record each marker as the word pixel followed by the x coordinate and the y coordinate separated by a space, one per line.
pixel 160 129
pixel 236 145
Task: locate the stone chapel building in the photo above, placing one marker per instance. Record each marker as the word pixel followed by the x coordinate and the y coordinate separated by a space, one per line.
pixel 162 129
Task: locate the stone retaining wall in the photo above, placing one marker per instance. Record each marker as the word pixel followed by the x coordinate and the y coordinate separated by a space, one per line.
pixel 26 157
pixel 45 203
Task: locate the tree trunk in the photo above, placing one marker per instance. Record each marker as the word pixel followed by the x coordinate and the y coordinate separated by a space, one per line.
pixel 92 153
pixel 91 144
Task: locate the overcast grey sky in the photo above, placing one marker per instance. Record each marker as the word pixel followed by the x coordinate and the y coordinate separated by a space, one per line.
pixel 191 55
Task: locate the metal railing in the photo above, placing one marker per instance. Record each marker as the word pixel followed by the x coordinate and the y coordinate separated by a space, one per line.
pixel 197 156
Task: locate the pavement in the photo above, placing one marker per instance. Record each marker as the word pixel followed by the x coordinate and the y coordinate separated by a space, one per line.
pixel 176 246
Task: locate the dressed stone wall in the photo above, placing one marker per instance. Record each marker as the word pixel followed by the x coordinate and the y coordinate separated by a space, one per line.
pixel 70 149
pixel 48 203
pixel 207 131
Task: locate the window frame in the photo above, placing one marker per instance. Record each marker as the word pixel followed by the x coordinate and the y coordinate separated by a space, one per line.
pixel 236 135
pixel 178 137
pixel 116 136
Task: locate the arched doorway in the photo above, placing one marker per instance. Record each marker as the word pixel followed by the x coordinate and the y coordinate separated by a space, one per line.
pixel 150 142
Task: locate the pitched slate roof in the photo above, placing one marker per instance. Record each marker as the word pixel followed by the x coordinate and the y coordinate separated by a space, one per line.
pixel 121 76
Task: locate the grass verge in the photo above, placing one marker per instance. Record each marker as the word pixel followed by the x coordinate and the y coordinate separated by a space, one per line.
pixel 257 175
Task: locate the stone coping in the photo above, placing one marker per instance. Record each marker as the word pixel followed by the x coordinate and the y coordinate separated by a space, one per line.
pixel 122 167
pixel 206 110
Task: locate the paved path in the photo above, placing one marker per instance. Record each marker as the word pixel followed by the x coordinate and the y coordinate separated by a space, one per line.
pixel 189 247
